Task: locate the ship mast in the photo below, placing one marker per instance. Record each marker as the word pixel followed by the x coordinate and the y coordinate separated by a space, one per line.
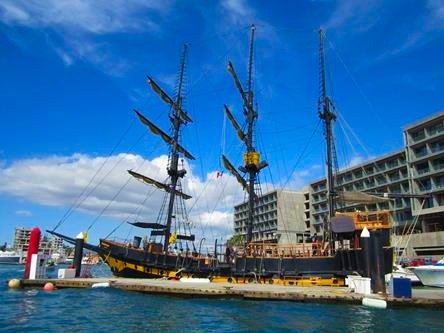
pixel 173 170
pixel 252 164
pixel 327 115
pixel 178 117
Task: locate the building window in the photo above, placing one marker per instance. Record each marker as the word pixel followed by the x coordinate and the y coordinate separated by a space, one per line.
pixel 422 168
pixel 440 199
pixel 439 181
pixel 418 135
pixel 438 128
pixel 437 146
pixel 392 163
pixel 428 203
pixel 438 164
pixel 425 184
pixel 420 151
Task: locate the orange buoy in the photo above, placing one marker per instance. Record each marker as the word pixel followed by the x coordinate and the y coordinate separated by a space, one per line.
pixel 49 286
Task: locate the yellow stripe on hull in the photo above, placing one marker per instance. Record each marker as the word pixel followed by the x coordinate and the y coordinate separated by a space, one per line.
pixel 118 266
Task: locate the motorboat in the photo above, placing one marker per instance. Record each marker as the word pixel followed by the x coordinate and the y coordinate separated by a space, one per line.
pixel 431 275
pixel 9 257
pixel 402 272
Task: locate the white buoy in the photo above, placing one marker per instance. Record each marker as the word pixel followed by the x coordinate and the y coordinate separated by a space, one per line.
pixel 100 285
pixel 374 303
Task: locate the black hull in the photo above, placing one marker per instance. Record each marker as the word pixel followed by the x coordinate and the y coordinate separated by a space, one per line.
pixel 138 263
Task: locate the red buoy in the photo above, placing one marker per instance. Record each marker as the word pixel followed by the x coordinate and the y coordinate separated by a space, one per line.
pixel 33 248
pixel 48 286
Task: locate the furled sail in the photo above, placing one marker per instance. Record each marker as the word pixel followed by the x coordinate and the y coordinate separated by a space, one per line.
pixel 167 99
pixel 237 82
pixel 148 225
pixel 156 130
pixel 239 131
pixel 234 172
pixel 360 197
pixel 157 184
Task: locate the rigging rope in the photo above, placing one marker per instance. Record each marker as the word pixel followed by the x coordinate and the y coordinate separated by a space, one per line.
pixel 76 203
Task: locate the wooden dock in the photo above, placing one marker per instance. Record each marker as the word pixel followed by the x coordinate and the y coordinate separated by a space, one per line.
pixel 421 297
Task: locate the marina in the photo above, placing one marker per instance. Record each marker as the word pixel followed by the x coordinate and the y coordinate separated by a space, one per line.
pixel 233 166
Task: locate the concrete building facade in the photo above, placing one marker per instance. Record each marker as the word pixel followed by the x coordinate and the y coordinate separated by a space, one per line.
pixel 47 245
pixel 425 154
pixel 418 168
pixel 278 217
pixel 386 174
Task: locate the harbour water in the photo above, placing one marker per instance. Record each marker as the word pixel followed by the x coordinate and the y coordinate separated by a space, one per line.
pixel 85 310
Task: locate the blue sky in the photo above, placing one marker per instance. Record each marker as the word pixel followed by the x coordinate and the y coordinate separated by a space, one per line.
pixel 73 71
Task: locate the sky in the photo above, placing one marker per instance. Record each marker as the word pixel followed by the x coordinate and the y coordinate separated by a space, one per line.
pixel 73 71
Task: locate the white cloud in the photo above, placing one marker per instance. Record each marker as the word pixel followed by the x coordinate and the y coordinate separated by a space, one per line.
pixel 237 11
pixel 356 160
pixel 24 213
pixel 357 16
pixel 301 178
pixel 76 24
pixel 59 180
pixel 360 15
pixel 81 16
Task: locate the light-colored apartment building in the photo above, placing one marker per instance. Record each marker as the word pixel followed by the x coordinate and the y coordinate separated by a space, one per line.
pixel 278 217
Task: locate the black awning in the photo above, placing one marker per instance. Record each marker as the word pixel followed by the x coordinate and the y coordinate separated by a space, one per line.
pixel 342 224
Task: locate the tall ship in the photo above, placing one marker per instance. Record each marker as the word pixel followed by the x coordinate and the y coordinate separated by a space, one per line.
pixel 169 249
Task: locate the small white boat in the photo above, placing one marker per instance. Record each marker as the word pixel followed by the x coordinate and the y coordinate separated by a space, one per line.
pixel 402 272
pixel 431 275
pixel 9 257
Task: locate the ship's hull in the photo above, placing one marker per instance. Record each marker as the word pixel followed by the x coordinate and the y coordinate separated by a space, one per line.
pixel 137 263
pixel 430 275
